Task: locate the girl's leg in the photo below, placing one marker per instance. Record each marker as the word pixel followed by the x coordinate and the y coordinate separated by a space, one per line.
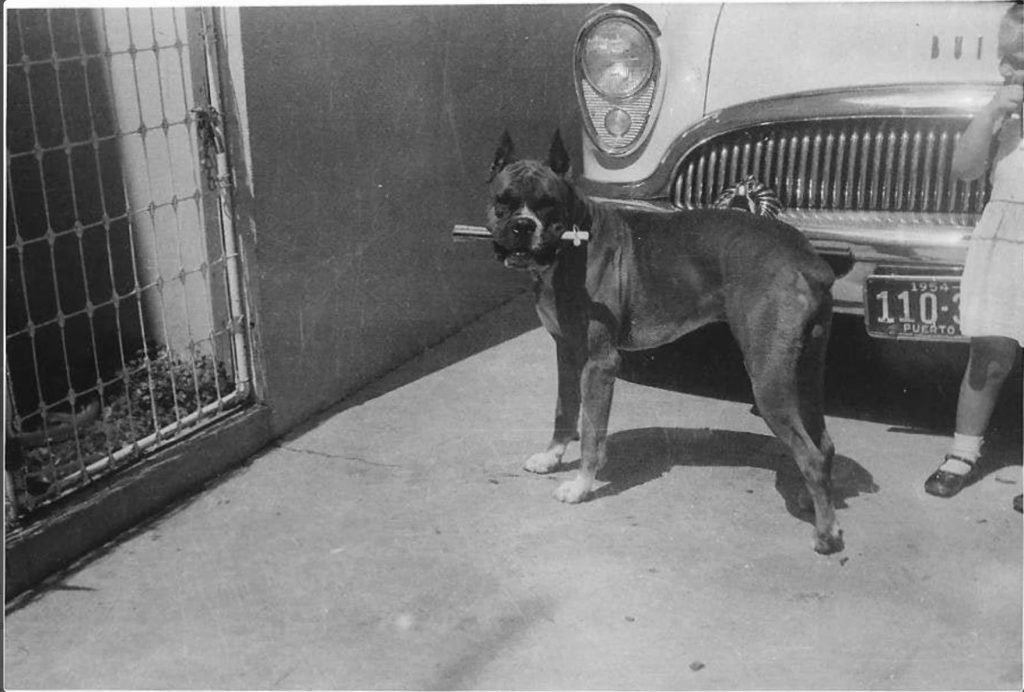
pixel 991 360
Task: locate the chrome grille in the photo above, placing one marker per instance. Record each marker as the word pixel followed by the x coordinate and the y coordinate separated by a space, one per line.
pixel 855 164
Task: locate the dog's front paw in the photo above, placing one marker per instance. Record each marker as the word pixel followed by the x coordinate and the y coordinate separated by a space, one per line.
pixel 543 462
pixel 573 491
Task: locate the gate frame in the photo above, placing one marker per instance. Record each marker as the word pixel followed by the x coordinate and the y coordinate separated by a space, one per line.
pixel 69 528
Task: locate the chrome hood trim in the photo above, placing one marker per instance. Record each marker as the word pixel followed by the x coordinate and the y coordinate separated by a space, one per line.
pixel 894 101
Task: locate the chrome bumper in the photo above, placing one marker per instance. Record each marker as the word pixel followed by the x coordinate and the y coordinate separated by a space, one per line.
pixel 861 244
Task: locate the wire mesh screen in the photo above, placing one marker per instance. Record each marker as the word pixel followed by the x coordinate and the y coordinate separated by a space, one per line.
pixel 122 299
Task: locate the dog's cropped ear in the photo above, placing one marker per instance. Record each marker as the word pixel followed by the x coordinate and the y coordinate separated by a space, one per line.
pixel 505 154
pixel 558 157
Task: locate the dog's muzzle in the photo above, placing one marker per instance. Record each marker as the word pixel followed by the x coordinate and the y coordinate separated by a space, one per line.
pixel 515 249
pixel 523 227
pixel 520 257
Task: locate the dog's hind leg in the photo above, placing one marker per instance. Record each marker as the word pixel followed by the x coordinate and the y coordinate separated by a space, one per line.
pixel 812 450
pixel 810 378
pixel 567 409
pixel 788 384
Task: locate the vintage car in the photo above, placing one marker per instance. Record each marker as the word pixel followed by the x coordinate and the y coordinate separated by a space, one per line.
pixel 849 111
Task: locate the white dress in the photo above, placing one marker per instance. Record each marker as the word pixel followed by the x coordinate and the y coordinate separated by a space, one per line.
pixel 992 287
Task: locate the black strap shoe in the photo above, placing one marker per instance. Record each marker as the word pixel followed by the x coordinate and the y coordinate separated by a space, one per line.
pixel 946 483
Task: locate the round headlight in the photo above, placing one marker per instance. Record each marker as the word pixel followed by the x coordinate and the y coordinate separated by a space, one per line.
pixel 617 57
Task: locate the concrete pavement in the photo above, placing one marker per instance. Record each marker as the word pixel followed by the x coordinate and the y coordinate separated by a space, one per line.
pixel 397 543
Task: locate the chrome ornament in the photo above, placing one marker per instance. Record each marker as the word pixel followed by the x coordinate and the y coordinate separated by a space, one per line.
pixel 750 194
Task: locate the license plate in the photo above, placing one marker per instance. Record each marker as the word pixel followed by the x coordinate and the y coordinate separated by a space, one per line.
pixel 912 307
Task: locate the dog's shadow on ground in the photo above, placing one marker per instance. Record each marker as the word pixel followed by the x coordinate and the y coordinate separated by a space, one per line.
pixel 865 379
pixel 641 455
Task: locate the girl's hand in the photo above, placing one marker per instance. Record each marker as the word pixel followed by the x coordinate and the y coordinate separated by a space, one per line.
pixel 1008 99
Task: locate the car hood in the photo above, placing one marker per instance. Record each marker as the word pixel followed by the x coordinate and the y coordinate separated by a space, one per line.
pixel 762 50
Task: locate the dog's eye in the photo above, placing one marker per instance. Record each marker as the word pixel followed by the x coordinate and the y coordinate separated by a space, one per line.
pixel 501 210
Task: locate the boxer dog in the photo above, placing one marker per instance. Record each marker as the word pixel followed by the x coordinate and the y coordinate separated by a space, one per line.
pixel 608 280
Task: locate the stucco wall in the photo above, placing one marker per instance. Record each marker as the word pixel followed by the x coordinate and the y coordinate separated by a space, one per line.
pixel 371 130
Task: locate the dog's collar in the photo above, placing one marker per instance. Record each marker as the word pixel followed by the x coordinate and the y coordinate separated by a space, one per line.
pixel 576 236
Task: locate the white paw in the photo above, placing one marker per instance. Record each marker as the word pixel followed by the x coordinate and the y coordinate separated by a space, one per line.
pixel 573 491
pixel 543 462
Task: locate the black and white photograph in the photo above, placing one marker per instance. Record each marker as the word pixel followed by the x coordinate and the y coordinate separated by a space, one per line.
pixel 514 346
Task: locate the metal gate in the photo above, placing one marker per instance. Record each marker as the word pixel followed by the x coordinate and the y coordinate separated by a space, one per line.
pixel 125 323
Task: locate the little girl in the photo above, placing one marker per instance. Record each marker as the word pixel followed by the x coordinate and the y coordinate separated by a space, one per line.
pixel 992 287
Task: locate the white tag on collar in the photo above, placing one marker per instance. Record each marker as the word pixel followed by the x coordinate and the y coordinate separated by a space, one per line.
pixel 577 236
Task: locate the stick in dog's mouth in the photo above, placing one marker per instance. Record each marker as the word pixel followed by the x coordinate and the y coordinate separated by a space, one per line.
pixel 519 259
pixel 467 232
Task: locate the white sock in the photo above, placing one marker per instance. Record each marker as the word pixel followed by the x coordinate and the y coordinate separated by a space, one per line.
pixel 966 447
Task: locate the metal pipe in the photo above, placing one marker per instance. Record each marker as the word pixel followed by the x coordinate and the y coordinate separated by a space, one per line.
pixel 926 183
pixel 10 494
pixel 812 187
pixel 901 170
pixel 876 170
pixel 915 167
pixel 227 213
pixel 162 435
pixel 940 174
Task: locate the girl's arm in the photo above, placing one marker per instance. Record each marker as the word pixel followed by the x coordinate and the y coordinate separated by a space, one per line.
pixel 970 158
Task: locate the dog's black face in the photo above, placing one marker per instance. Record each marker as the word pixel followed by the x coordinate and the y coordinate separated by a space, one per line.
pixel 530 207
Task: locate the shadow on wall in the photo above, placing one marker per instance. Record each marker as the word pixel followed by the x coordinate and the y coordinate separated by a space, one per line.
pixel 69 247
pixel 107 247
